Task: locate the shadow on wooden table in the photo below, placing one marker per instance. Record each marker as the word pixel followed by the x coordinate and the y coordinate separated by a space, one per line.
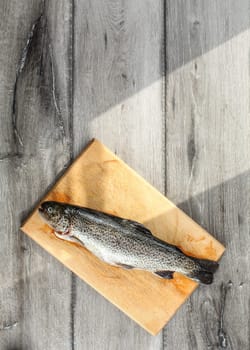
pixel 194 28
pixel 191 30
pixel 224 211
pixel 187 29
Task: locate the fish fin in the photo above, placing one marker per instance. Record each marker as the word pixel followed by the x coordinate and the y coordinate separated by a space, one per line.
pixel 165 245
pixel 61 236
pixel 138 227
pixel 208 265
pixel 67 238
pixel 165 274
pixel 125 266
pixel 201 276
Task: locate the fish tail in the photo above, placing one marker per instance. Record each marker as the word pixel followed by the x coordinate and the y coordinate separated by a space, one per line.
pixel 207 265
pixel 204 271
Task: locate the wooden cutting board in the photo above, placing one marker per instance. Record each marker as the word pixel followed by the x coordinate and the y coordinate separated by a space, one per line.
pixel 100 180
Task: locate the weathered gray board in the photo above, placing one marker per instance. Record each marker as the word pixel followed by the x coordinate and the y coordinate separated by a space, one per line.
pixel 165 84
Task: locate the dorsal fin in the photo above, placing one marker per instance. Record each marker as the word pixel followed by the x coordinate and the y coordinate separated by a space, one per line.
pixel 142 229
pixel 138 227
pixel 167 245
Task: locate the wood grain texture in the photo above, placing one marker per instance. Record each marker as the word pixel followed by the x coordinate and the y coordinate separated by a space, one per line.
pixel 35 138
pixel 101 181
pixel 119 100
pixel 119 53
pixel 208 162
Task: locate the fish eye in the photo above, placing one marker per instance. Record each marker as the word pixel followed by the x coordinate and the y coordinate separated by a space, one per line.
pixel 50 210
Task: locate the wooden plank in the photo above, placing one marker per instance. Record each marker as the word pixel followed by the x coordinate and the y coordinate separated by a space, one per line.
pixel 34 135
pixel 118 99
pixel 102 181
pixel 208 162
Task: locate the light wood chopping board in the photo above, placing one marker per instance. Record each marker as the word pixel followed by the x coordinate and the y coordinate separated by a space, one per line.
pixel 100 180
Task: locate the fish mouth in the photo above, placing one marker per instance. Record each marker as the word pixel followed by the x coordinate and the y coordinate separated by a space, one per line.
pixel 43 215
pixel 42 212
pixel 40 209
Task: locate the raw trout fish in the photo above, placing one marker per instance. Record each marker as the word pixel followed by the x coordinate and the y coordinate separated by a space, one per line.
pixel 122 242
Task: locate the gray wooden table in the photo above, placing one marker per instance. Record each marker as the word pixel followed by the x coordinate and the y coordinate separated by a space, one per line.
pixel 165 85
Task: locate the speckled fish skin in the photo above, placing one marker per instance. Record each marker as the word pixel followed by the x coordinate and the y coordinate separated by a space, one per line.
pixel 123 242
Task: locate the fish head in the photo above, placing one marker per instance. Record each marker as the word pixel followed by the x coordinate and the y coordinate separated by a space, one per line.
pixel 56 215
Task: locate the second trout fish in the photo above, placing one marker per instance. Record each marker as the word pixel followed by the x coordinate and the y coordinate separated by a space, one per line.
pixel 124 243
